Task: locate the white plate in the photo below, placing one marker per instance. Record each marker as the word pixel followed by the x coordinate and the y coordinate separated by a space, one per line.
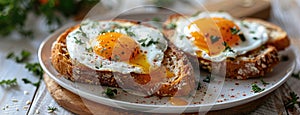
pixel 233 93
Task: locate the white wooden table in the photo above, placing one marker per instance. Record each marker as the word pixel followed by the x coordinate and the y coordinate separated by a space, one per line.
pixel 15 100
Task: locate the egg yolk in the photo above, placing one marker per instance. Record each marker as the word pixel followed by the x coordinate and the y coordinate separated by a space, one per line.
pixel 119 47
pixel 212 33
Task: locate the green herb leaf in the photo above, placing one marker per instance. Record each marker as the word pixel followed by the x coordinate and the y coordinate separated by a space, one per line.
pixel 144 42
pixel 234 31
pixel 110 92
pixel 171 26
pixel 26 81
pixel 199 86
pixel 252 32
pixel 284 58
pixel 9 82
pixel 227 47
pixel 292 101
pixel 35 68
pixel 263 82
pixel 296 75
pixel 51 109
pixel 256 89
pixel 255 38
pixel 156 19
pixel 78 41
pixel 181 37
pixel 245 25
pixel 242 37
pixel 10 55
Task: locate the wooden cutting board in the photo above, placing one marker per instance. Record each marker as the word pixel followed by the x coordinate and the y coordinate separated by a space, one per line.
pixel 82 106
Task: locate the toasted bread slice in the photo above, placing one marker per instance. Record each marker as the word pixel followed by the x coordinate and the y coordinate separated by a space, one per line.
pixel 180 84
pixel 256 63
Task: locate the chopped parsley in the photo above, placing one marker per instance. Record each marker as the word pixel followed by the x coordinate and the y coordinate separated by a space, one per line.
pixel 296 75
pixel 9 82
pixel 242 37
pixel 144 42
pixel 284 58
pixel 35 68
pixel 89 49
pixel 234 31
pixel 171 26
pixel 10 55
pixel 19 59
pixel 51 109
pixel 256 89
pixel 156 19
pixel 227 47
pixel 252 32
pixel 214 39
pixel 26 81
pixel 255 38
pixel 128 32
pixel 292 101
pixel 263 82
pixel 181 37
pixel 82 33
pixel 207 79
pixel 110 92
pixel 78 41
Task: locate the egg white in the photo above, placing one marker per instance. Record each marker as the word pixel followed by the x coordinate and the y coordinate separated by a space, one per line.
pixel 256 35
pixel 89 31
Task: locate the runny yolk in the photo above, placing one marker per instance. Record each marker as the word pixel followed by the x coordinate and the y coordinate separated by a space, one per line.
pixel 212 33
pixel 121 48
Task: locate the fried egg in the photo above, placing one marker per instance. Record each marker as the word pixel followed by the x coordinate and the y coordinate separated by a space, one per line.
pixel 116 46
pixel 216 36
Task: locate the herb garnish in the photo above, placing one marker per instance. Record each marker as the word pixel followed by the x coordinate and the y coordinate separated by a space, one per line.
pixel 296 75
pixel 292 101
pixel 284 58
pixel 242 37
pixel 263 82
pixel 252 32
pixel 207 79
pixel 35 68
pixel 51 109
pixel 9 82
pixel 227 47
pixel 214 39
pixel 256 89
pixel 110 92
pixel 144 43
pixel 234 31
pixel 255 38
pixel 19 59
pixel 156 19
pixel 171 26
pixel 181 37
pixel 82 32
pixel 128 32
pixel 26 81
pixel 78 41
pixel 89 49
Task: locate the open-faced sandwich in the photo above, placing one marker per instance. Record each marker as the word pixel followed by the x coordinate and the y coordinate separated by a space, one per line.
pixel 123 54
pixel 249 46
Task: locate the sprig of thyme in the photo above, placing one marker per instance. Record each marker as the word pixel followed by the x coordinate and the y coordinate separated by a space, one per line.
pixel 19 59
pixel 292 101
pixel 51 109
pixel 9 82
pixel 110 92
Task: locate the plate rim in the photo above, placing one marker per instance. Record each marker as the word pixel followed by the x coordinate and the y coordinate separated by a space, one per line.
pixel 215 106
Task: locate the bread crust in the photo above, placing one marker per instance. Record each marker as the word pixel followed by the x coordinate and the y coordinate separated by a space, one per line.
pixel 181 84
pixel 252 64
